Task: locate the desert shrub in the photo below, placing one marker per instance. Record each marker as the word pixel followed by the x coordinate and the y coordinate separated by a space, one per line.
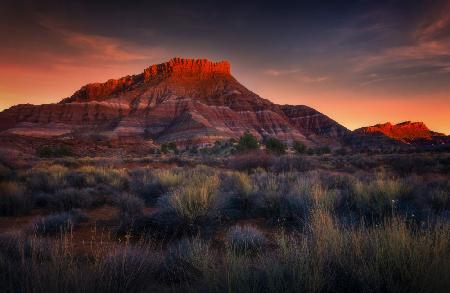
pixel 54 151
pixel 168 179
pixel 337 181
pixel 186 261
pixel 287 201
pixel 149 184
pixel 247 142
pixel 162 226
pixel 5 173
pixel 128 269
pixel 145 185
pixel 185 210
pixel 46 179
pixel 363 162
pixel 56 223
pixel 341 152
pixel 250 160
pixel 70 198
pixel 439 198
pixel 92 176
pixel 238 197
pixel 170 146
pixel 78 180
pixel 276 146
pixel 291 163
pixel 246 240
pixel 130 206
pixel 131 211
pixel 13 199
pixel 196 199
pixel 300 147
pixel 322 150
pixel 411 164
pixel 372 201
pixel 240 183
pixel 425 199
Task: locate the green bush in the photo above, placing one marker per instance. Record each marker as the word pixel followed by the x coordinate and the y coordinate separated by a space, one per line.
pixel 247 142
pixel 300 147
pixel 276 146
pixel 54 151
pixel 322 150
pixel 167 147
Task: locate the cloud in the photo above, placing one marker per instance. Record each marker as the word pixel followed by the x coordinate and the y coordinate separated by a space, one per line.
pixel 280 72
pixel 425 52
pixel 87 49
pixel 296 74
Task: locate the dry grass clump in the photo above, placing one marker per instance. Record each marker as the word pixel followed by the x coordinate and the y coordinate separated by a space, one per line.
pixel 116 178
pixel 169 179
pixel 196 199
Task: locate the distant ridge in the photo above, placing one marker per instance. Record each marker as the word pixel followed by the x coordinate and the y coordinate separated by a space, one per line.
pixel 405 131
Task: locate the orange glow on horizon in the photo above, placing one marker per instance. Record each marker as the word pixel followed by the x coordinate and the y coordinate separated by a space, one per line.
pixel 38 85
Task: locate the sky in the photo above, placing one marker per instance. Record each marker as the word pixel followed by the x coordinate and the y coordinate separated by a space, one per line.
pixel 359 62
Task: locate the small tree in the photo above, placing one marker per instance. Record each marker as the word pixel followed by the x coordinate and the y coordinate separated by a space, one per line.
pixel 300 147
pixel 54 151
pixel 276 146
pixel 322 150
pixel 171 146
pixel 248 142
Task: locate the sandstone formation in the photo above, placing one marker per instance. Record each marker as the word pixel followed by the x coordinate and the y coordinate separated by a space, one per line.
pixel 406 132
pixel 184 100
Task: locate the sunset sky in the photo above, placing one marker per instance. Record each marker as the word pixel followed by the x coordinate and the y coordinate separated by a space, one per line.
pixel 359 62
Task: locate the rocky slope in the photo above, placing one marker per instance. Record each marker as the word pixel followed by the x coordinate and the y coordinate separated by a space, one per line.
pixel 184 100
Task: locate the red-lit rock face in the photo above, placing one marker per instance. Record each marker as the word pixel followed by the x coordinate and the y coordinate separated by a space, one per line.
pixel 405 131
pixel 183 100
pixel 187 68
